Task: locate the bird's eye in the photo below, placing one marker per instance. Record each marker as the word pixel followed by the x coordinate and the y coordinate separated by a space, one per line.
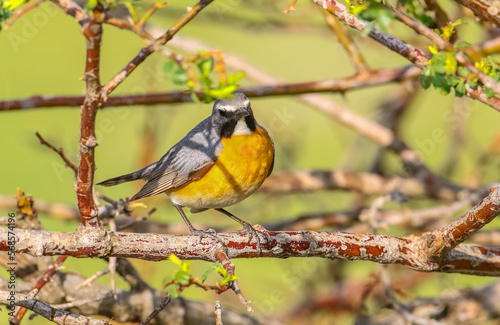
pixel 222 112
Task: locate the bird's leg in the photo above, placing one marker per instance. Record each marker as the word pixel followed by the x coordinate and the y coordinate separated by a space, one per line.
pixel 246 226
pixel 195 231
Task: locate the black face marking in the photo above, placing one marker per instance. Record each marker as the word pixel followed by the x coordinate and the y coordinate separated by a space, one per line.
pixel 227 129
pixel 250 121
pixel 227 112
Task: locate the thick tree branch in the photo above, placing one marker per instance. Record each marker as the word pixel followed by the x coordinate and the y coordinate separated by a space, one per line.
pixel 486 10
pixel 85 180
pixel 423 252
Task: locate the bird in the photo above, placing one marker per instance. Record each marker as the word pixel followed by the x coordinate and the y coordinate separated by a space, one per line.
pixel 220 162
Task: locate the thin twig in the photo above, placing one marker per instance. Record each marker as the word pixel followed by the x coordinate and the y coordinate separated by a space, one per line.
pixel 348 44
pixel 218 313
pixel 91 279
pixel 56 316
pixel 222 258
pixel 153 46
pixel 60 152
pixel 38 286
pixel 393 43
pixel 157 310
pixel 20 12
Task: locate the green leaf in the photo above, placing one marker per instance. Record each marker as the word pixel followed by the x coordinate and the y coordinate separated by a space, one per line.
pixel 378 14
pixel 209 270
pixel 5 13
pixel 206 66
pixel 227 279
pixel 182 277
pixel 221 270
pixel 225 92
pixel 425 78
pixel 472 83
pixel 91 4
pixel 489 92
pixel 232 79
pixel 461 44
pixel 441 84
pixel 169 67
pixel 180 76
pixel 173 291
pixel 460 89
pixel 206 82
pixel 438 62
pixel 463 71
pixel 132 10
pixel 452 80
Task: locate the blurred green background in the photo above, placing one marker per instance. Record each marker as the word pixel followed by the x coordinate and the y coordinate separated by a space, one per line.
pixel 44 53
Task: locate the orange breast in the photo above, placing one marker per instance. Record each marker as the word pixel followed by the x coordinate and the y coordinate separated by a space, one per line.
pixel 242 166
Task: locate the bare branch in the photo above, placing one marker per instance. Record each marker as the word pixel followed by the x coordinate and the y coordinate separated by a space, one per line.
pixel 38 286
pixel 85 180
pixel 153 46
pixel 421 252
pixel 406 50
pixel 18 13
pixel 486 10
pixel 60 152
pixel 73 9
pixel 340 85
pixel 367 183
pixel 156 311
pixel 57 316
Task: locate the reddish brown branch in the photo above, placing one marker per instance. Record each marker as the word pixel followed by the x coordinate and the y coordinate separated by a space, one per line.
pixel 85 181
pixel 221 257
pixel 153 46
pixel 60 152
pixel 39 285
pixel 400 47
pixel 459 230
pixel 73 9
pixel 418 252
pixel 486 10
pixel 444 44
pixel 341 85
pixel 20 12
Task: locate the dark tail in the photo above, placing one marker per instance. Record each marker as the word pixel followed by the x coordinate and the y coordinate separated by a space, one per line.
pixel 140 174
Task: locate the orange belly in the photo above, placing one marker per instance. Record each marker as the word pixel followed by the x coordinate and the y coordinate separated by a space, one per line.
pixel 242 166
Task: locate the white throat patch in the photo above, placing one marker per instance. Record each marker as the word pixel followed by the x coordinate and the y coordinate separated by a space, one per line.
pixel 241 128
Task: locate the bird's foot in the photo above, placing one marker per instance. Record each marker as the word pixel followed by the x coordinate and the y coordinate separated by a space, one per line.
pixel 209 233
pixel 252 233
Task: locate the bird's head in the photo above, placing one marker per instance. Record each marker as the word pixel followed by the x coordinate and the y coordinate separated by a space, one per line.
pixel 233 116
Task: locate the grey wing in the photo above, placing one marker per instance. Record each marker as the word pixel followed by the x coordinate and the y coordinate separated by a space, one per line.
pixel 188 160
